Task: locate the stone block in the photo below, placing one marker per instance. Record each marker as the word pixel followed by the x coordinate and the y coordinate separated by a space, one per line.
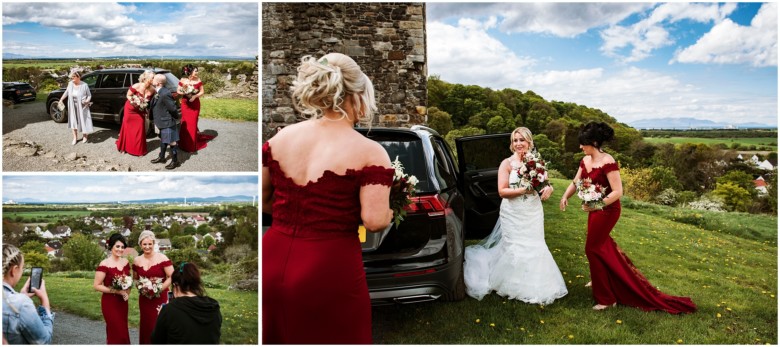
pixel 417 58
pixel 396 55
pixel 382 46
pixel 406 25
pixel 354 51
pixel 385 31
pixel 277 54
pixel 414 9
pixel 331 40
pixel 421 110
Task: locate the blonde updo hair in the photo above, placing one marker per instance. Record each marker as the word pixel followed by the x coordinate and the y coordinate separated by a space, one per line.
pixel 526 134
pixel 323 84
pixel 146 234
pixel 146 76
pixel 11 256
pixel 74 74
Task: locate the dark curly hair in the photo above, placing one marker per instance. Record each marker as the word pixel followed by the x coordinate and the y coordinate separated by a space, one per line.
pixel 595 134
pixel 187 70
pixel 186 276
pixel 115 237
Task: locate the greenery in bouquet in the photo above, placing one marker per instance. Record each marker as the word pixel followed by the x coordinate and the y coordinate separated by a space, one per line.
pixel 401 192
pixel 149 287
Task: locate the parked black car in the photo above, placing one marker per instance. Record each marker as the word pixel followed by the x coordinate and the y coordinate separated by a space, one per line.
pixel 109 93
pixel 18 92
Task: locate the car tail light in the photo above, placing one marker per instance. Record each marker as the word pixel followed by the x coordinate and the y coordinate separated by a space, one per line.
pixel 414 273
pixel 430 204
pixel 18 92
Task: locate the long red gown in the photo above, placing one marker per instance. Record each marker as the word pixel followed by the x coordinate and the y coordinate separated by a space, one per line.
pixel 149 307
pixel 132 134
pixel 190 139
pixel 114 308
pixel 614 276
pixel 314 284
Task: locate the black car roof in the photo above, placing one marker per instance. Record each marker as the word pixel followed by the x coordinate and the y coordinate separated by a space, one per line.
pixel 14 83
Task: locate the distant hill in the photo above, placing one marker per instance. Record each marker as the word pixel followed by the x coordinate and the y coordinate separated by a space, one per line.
pixel 11 56
pixel 178 200
pixel 693 123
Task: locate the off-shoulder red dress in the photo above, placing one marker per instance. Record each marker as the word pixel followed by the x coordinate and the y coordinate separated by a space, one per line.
pixel 150 307
pixel 132 133
pixel 614 276
pixel 314 284
pixel 190 138
pixel 114 308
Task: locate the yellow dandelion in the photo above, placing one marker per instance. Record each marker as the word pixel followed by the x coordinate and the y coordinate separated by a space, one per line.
pixel 679 341
pixel 772 295
pixel 571 337
pixel 718 315
pixel 728 309
pixel 477 321
pixel 492 324
pixel 541 321
pixel 619 321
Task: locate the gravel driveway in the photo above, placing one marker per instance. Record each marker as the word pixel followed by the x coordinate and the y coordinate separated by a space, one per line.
pixel 70 329
pixel 33 142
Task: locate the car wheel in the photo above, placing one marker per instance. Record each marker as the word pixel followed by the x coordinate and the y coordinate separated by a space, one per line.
pixel 57 115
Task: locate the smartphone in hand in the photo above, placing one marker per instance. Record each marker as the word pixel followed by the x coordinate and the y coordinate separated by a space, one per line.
pixel 36 276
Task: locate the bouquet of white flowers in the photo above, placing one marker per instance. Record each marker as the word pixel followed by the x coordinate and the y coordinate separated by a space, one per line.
pixel 149 287
pixel 122 282
pixel 401 192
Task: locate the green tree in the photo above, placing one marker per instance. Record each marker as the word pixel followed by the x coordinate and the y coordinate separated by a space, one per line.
pixel 467 131
pixel 174 230
pixel 35 259
pixel 189 230
pixel 664 178
pixel 555 130
pixel 439 120
pixel 734 197
pixel 181 242
pixel 203 229
pixel 741 179
pixel 82 253
pixel 206 242
pixel 33 246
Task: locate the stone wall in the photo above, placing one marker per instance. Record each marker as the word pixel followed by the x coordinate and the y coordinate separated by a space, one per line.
pixel 387 40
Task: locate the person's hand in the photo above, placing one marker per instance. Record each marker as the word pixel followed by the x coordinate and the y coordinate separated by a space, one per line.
pixel 125 294
pixel 192 98
pixel 564 203
pixel 546 192
pixel 41 293
pixel 25 289
pixel 587 208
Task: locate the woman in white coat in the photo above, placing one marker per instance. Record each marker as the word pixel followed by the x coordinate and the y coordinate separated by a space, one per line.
pixel 78 101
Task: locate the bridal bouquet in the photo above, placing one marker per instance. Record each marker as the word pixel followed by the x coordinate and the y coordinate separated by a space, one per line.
pixel 138 102
pixel 149 287
pixel 590 193
pixel 401 192
pixel 122 282
pixel 189 90
pixel 532 173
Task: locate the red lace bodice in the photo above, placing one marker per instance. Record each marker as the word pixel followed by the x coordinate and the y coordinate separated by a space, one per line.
pixel 136 92
pixel 598 175
pixel 329 204
pixel 112 272
pixel 156 270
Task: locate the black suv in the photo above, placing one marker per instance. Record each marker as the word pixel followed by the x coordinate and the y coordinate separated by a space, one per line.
pixel 18 92
pixel 109 93
pixel 422 258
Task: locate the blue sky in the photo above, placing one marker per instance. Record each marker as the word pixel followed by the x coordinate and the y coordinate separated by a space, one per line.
pixel 92 188
pixel 715 61
pixel 82 30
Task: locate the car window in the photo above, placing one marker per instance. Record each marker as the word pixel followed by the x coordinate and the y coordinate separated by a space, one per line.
pixel 112 80
pixel 412 156
pixel 133 79
pixel 443 168
pixel 90 80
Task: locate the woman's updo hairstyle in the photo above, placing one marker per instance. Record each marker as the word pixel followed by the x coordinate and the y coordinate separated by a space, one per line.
pixel 146 234
pixel 525 133
pixel 11 256
pixel 146 76
pixel 115 237
pixel 323 84
pixel 595 134
pixel 186 70
pixel 187 278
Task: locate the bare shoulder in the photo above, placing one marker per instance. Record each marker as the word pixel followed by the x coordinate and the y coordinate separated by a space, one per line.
pixel 162 257
pixel 608 159
pixel 375 154
pixel 103 262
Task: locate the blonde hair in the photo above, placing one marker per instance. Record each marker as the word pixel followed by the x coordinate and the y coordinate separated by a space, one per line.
pixel 74 74
pixel 147 75
pixel 11 256
pixel 323 84
pixel 146 234
pixel 525 133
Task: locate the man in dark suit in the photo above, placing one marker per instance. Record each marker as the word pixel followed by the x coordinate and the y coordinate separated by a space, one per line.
pixel 165 114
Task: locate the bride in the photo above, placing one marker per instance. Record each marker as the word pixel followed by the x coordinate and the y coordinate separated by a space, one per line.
pixel 514 260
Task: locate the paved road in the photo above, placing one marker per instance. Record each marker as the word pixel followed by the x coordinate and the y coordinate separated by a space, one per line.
pixel 33 142
pixel 70 329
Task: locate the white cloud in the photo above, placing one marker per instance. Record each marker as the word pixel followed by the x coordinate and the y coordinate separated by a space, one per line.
pixel 731 43
pixel 93 189
pixel 559 19
pixel 649 34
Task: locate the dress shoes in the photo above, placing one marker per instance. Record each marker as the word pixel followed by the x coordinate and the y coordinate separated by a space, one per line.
pixel 174 164
pixel 158 160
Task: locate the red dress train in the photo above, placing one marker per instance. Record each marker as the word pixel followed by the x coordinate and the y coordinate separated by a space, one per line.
pixel 150 307
pixel 314 284
pixel 614 276
pixel 132 134
pixel 114 308
pixel 190 139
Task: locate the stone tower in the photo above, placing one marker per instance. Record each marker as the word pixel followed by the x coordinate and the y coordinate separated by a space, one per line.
pixel 387 40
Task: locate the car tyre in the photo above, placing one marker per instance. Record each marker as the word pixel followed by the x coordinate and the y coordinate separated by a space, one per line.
pixel 57 115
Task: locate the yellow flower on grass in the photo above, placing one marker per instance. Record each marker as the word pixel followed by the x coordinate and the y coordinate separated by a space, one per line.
pixel 477 321
pixel 718 315
pixel 541 321
pixel 492 324
pixel 571 337
pixel 728 309
pixel 522 329
pixel 619 321
pixel 679 341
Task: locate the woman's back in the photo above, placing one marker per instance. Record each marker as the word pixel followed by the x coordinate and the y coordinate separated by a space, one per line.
pixel 189 320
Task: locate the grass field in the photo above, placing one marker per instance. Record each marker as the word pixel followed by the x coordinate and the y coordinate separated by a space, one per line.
pixel 49 216
pixel 732 279
pixel 72 292
pixel 744 141
pixel 229 109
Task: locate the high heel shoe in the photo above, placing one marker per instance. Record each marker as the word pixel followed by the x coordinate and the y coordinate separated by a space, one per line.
pixel 603 307
pixel 589 284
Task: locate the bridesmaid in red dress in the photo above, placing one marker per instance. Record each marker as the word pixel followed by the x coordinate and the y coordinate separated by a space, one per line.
pixel 151 265
pixel 132 134
pixel 321 179
pixel 113 302
pixel 190 139
pixel 614 277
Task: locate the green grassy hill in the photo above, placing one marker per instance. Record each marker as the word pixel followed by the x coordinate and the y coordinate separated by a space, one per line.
pixel 730 275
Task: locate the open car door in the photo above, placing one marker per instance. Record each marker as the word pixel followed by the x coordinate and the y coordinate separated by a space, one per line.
pixel 478 160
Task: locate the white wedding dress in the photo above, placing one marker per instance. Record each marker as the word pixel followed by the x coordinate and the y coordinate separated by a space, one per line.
pixel 514 260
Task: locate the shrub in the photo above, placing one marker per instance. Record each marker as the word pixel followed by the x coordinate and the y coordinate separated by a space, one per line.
pixel 706 204
pixel 212 81
pixel 667 197
pixel 82 253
